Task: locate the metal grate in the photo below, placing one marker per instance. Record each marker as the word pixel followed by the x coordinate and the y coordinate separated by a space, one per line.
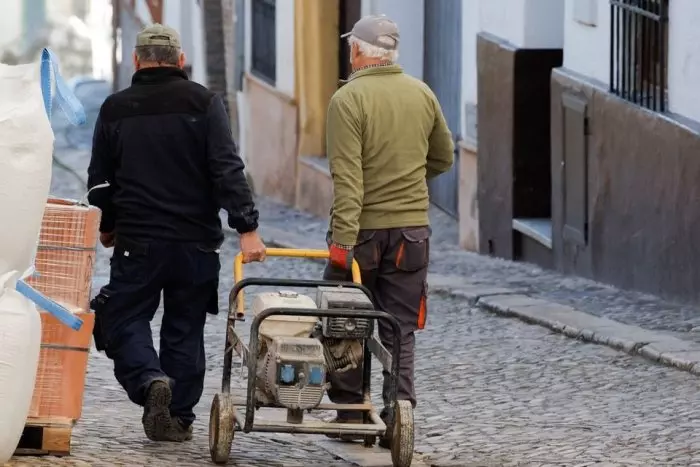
pixel 264 54
pixel 639 51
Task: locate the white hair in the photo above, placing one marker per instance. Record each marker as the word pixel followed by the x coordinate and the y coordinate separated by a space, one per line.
pixel 372 51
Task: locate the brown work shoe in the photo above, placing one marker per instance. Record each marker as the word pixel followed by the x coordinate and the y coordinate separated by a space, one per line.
pixel 180 431
pixel 345 437
pixel 156 410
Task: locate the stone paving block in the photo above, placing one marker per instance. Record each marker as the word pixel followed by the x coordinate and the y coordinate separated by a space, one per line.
pixel 491 392
pixel 359 455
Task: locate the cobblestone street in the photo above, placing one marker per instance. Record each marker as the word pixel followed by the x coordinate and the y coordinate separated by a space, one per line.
pixel 492 391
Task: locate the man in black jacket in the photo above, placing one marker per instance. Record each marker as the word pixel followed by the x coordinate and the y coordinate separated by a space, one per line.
pixel 163 165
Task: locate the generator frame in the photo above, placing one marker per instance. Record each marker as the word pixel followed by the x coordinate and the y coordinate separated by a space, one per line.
pixel 226 417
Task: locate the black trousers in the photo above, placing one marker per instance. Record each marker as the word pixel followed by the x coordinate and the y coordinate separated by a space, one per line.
pixel 187 276
pixel 394 266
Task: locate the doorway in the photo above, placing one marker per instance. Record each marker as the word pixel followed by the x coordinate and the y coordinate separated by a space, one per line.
pixel 349 12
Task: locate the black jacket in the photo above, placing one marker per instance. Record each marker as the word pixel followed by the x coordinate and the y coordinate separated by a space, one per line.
pixel 164 145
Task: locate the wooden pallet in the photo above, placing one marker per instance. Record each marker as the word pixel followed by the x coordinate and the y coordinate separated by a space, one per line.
pixel 45 437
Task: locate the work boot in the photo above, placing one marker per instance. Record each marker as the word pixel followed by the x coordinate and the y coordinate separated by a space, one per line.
pixel 157 423
pixel 181 430
pixel 345 437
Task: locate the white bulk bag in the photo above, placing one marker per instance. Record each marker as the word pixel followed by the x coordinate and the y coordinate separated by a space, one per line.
pixel 26 149
pixel 20 342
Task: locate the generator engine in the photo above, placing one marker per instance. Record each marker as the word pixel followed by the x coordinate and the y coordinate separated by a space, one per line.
pixel 291 365
pixel 343 337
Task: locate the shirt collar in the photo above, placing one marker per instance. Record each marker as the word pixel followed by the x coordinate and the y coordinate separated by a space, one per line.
pixel 158 75
pixel 370 70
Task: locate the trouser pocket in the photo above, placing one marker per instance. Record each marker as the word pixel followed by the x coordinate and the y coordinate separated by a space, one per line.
pixel 413 249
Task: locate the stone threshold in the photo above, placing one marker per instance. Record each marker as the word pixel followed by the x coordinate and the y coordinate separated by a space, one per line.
pixel 655 346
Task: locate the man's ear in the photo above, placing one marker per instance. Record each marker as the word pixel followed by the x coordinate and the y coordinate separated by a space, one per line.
pixel 181 61
pixel 355 51
pixel 137 65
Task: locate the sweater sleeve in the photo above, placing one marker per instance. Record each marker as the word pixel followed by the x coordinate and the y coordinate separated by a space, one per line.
pixel 101 170
pixel 441 148
pixel 226 170
pixel 344 147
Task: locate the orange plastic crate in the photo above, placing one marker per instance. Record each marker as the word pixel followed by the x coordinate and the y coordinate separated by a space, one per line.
pixel 64 265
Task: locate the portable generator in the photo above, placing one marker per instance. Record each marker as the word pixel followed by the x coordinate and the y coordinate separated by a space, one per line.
pixel 291 365
pixel 295 343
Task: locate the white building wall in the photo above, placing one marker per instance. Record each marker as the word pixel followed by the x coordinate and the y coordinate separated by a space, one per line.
pixel 526 24
pixel 684 58
pixel 587 49
pixel 544 24
pixel 587 38
pixel 503 18
pixel 409 16
pixel 529 24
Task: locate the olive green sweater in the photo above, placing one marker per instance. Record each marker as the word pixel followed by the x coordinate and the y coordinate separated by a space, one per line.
pixel 386 135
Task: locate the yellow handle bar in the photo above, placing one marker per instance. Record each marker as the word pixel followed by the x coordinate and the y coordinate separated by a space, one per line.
pixel 286 253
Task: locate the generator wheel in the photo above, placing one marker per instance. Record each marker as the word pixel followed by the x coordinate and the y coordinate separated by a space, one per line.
pixel 222 421
pixel 403 437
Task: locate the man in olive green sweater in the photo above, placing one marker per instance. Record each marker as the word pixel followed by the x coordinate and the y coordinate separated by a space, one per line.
pixel 386 136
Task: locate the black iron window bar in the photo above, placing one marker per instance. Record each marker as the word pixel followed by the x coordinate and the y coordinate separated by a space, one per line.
pixel 638 51
pixel 264 55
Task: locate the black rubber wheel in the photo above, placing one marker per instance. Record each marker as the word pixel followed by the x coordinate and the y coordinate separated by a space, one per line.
pixel 402 439
pixel 222 421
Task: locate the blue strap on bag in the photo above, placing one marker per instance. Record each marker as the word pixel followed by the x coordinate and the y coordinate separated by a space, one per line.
pixel 75 113
pixel 70 105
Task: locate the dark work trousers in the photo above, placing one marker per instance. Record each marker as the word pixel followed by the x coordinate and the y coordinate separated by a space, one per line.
pixel 394 264
pixel 187 275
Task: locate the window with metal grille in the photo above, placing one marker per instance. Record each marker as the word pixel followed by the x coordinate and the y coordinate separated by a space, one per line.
pixel 639 51
pixel 264 55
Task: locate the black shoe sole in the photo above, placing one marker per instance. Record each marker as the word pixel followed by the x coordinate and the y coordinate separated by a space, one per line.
pixel 156 419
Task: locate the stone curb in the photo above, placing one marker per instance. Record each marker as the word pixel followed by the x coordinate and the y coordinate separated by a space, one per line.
pixel 653 345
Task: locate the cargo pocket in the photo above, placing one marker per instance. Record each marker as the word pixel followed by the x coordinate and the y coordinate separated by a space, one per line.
pixel 366 251
pixel 413 250
pixel 207 263
pixel 128 265
pixel 423 306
